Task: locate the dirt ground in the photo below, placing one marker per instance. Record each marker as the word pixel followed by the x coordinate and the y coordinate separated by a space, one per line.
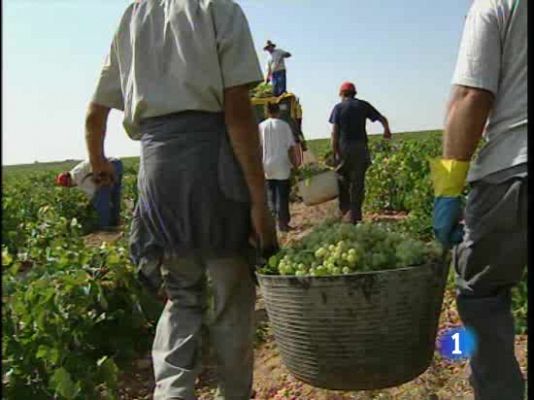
pixel 443 380
pixel 95 239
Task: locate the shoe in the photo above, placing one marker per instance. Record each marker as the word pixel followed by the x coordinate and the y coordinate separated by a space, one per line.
pixel 346 218
pixel 285 228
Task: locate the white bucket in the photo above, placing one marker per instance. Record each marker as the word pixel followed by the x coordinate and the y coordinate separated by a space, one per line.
pixel 309 158
pixel 319 188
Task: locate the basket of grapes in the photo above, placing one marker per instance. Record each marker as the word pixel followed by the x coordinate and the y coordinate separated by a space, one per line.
pixel 317 184
pixel 355 307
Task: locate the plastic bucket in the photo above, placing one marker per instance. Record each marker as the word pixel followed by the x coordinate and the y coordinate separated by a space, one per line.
pixel 319 188
pixel 361 331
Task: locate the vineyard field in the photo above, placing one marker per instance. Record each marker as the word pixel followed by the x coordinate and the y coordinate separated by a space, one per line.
pixel 74 315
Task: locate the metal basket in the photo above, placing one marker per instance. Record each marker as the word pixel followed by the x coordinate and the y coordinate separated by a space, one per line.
pixel 361 331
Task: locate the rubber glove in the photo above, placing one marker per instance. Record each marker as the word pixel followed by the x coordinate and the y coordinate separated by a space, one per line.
pixel 448 178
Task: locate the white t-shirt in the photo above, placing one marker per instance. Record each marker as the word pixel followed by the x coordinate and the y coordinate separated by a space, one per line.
pixel 493 56
pixel 276 139
pixel 276 60
pixel 169 56
pixel 81 175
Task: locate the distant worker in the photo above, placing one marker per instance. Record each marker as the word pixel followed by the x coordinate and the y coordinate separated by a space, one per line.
pixel 349 146
pixel 276 68
pixel 105 197
pixel 489 99
pixel 280 154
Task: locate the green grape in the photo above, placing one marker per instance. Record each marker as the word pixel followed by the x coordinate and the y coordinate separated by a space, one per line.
pixel 334 248
pixel 352 260
pixel 320 253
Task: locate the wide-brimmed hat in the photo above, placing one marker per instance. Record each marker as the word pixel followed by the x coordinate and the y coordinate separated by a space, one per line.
pixel 269 44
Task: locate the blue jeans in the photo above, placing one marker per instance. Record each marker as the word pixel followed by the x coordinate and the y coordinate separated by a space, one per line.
pixel 279 82
pixel 107 200
pixel 278 198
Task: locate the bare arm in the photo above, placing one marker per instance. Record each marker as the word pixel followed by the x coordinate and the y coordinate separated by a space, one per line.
pixel 244 137
pixel 385 123
pixel 293 151
pixel 268 75
pixel 95 132
pixel 467 113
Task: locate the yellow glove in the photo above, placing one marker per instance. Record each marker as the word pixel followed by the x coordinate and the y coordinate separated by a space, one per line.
pixel 448 176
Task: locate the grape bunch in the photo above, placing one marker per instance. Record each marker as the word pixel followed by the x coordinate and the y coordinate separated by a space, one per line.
pixel 338 248
pixel 308 171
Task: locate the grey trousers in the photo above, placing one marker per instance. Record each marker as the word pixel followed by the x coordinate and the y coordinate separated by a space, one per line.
pixel 489 262
pixel 177 347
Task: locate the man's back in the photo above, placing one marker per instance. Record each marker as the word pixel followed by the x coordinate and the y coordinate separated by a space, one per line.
pixel 276 60
pixel 276 139
pixel 176 55
pixel 351 116
pixel 493 56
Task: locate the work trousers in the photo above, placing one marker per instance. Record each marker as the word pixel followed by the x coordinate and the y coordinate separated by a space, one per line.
pixel 278 198
pixel 107 200
pixel 489 262
pixel 279 82
pixel 177 348
pixel 355 161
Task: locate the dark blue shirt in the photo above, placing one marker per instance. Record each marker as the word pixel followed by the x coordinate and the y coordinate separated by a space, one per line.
pixel 350 116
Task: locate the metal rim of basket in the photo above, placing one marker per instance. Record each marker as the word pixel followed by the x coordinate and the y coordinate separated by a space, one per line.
pixel 362 273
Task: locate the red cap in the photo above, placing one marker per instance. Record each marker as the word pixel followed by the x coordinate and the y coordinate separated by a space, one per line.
pixel 347 87
pixel 63 179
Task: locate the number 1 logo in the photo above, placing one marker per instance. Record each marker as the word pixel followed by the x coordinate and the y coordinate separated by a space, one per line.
pixel 456 338
pixel 457 343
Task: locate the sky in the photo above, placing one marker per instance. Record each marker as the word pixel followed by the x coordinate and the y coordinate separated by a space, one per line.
pixel 400 54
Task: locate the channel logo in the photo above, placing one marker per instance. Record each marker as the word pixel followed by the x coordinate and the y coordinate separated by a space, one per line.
pixel 457 343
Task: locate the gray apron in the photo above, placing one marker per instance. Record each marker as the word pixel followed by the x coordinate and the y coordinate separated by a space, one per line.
pixel 192 194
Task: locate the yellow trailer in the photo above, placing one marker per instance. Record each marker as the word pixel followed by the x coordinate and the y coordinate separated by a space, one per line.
pixel 290 111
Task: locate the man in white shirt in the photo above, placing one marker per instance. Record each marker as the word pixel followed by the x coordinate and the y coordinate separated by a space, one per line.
pixel 280 153
pixel 489 100
pixel 105 197
pixel 181 70
pixel 276 68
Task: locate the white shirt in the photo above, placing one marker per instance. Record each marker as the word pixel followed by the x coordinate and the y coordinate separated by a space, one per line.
pixel 276 139
pixel 493 56
pixel 82 176
pixel 169 56
pixel 276 60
